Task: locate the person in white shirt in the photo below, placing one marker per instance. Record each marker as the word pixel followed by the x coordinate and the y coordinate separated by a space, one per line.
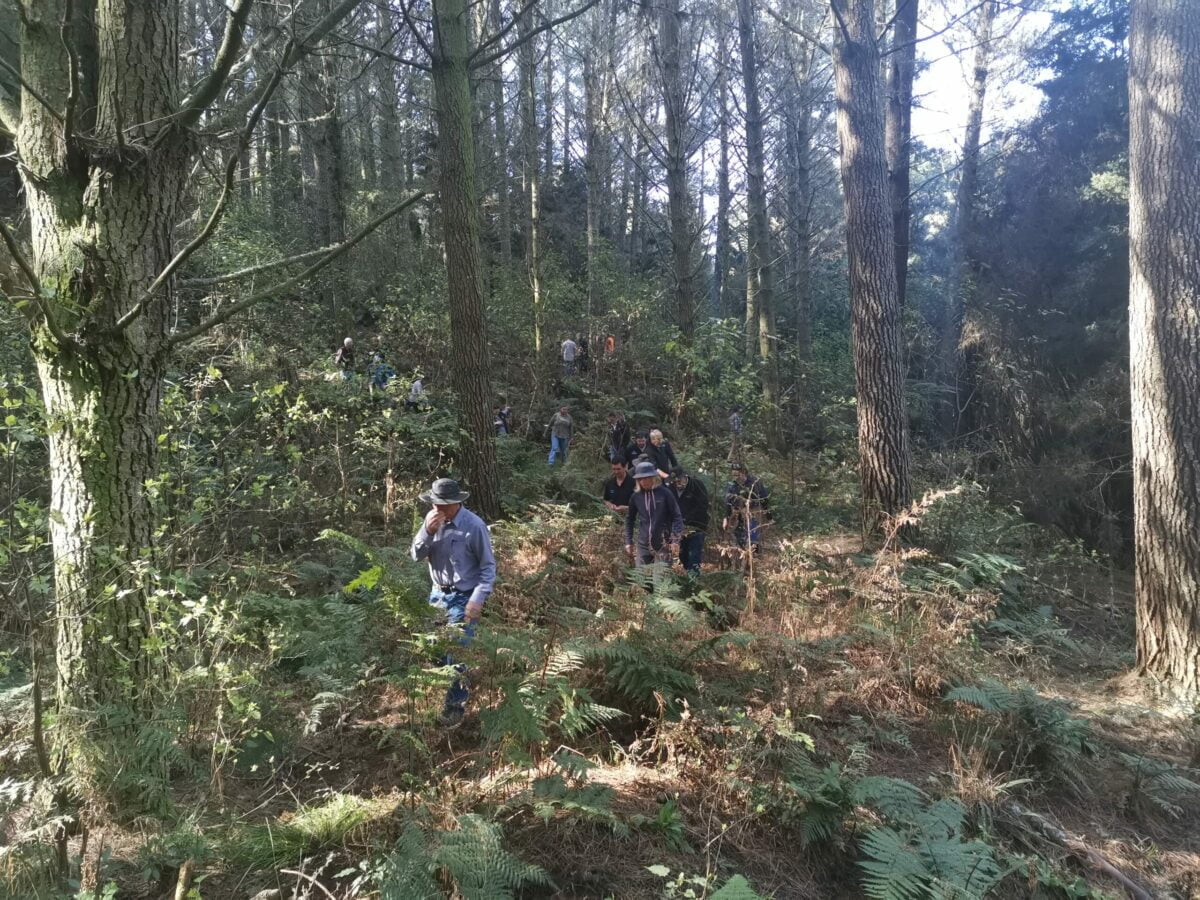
pixel 569 351
pixel 416 394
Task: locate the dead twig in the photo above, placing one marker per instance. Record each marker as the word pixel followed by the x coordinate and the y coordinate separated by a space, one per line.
pixel 1081 850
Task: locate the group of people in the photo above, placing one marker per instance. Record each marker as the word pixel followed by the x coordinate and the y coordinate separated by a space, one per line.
pixel 666 510
pixel 666 517
pixel 379 374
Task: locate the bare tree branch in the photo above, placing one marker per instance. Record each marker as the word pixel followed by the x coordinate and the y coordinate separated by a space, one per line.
pixel 12 70
pixel 233 115
pixel 412 27
pixel 68 21
pixel 336 252
pixel 205 233
pixel 545 26
pixel 837 14
pixel 386 54
pixel 500 35
pixel 19 258
pixel 257 269
pixel 214 82
pixel 10 115
pixel 937 33
pixel 796 29
pixel 31 277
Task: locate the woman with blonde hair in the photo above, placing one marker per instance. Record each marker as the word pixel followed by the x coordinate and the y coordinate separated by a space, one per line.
pixel 661 454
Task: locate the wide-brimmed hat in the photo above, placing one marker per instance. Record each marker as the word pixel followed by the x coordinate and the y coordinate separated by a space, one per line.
pixel 444 492
pixel 645 470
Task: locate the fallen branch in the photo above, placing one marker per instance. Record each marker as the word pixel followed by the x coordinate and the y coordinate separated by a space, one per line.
pixel 1081 850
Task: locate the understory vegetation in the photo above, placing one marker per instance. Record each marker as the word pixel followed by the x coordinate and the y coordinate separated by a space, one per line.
pixel 941 718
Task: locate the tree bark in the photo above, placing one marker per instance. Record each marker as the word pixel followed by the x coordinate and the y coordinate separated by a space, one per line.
pixel 94 252
pixel 530 145
pixel 1164 331
pixel 721 252
pixel 962 226
pixel 883 453
pixel 500 119
pixel 597 163
pixel 677 153
pixel 105 162
pixel 901 63
pixel 759 282
pixel 799 151
pixel 460 224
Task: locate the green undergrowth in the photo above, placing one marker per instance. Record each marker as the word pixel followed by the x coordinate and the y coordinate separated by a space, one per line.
pixel 836 722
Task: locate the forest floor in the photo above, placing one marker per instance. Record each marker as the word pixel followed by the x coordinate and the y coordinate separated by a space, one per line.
pixel 954 714
pixel 843 655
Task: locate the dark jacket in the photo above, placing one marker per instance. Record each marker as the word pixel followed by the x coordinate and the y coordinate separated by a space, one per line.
pixel 663 456
pixel 619 494
pixel 693 504
pixel 618 438
pixel 632 452
pixel 344 358
pixel 659 515
pixel 753 492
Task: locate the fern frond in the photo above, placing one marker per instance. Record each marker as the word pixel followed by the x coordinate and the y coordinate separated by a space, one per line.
pixel 893 797
pixel 736 888
pixel 893 870
pixel 990 696
pixel 482 869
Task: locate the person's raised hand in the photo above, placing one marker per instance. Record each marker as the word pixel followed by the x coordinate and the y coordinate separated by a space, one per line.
pixel 434 521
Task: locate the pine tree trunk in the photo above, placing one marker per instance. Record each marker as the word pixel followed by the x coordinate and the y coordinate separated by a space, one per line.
pixel 800 221
pixel 530 147
pixel 1164 331
pixel 724 192
pixel 874 302
pixel 94 252
pixel 962 225
pixel 391 163
pixel 677 154
pixel 548 102
pixel 460 225
pixel 759 282
pixel 901 63
pixel 500 119
pixel 597 164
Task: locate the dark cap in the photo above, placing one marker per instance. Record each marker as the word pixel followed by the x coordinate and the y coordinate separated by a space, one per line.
pixel 444 492
pixel 645 470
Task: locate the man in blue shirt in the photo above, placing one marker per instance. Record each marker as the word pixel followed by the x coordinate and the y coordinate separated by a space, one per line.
pixel 456 544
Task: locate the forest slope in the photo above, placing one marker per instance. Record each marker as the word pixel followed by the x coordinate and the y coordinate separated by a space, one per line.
pixel 837 721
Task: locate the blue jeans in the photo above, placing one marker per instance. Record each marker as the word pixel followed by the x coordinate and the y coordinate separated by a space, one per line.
pixel 691 551
pixel 454 605
pixel 558 445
